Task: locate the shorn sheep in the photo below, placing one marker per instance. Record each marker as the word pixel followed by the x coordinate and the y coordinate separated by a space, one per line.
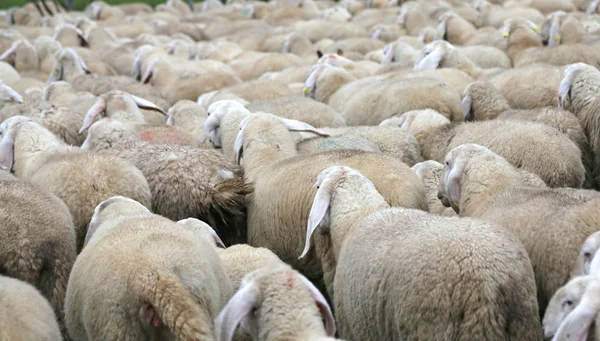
pixel 81 179
pixel 25 314
pixel 144 276
pixel 551 223
pixel 373 253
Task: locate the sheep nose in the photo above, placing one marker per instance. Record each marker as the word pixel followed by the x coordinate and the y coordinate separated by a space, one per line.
pixel 440 196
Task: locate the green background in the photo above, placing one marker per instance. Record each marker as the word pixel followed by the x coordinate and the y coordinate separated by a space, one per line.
pixel 79 4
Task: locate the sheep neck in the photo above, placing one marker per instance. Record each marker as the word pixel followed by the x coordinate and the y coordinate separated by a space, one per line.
pixel 34 145
pixel 266 147
pixel 482 182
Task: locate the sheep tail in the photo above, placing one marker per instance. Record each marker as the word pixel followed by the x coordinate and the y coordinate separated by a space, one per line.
pixel 227 214
pixel 177 309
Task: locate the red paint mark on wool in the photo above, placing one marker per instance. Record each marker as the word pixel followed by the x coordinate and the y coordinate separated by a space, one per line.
pixel 172 137
pixel 290 280
pixel 332 56
pixel 147 135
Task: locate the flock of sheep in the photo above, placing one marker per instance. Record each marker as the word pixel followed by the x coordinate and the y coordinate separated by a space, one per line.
pixel 301 170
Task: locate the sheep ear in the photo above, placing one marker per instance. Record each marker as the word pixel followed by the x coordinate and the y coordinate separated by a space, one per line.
pixel 322 305
pixel 555 37
pixel 82 37
pixel 240 305
pixel 91 115
pixel 564 90
pixel 146 104
pixel 340 52
pixel 406 121
pixel 12 50
pixel 440 32
pixel 467 107
pixel 595 264
pixel 577 324
pixel 208 228
pixel 12 93
pixel 83 65
pixel 293 125
pixel 454 182
pixel 317 213
pixel 430 62
pixel 319 54
pixel 238 146
pixel 7 149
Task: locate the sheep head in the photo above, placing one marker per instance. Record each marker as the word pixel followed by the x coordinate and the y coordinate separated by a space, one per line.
pixel 258 123
pixel 114 101
pixel 57 87
pixel 432 56
pixel 9 94
pixel 8 130
pixel 327 182
pixel 522 30
pixel 216 112
pixel 570 75
pixel 482 101
pixel 572 309
pixel 587 257
pixel 105 133
pixel 551 27
pixel 204 229
pixel 456 163
pixel 113 208
pixel 295 295
pixel 24 54
pixel 68 32
pixel 68 62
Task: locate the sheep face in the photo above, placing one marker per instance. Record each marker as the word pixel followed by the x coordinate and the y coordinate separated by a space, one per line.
pixel 587 261
pixel 68 62
pixel 216 112
pixel 562 304
pixel 274 301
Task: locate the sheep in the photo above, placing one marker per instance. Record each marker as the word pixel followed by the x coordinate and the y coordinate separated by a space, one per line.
pixel 457 78
pixel 544 6
pixel 164 279
pixel 476 182
pixel 39 239
pixel 302 109
pixel 184 181
pixel 70 67
pixel 481 101
pixel 270 158
pixel 8 73
pixel 188 79
pixel 561 28
pixel 189 117
pixel 255 90
pixel 529 87
pixel 441 54
pixel 458 31
pixel 25 314
pixel 119 105
pixel 524 47
pixel 577 93
pixel 586 257
pixel 34 154
pixel 223 123
pixel 354 99
pixel 392 141
pixel 399 54
pixel 496 15
pixel 363 270
pixel 534 147
pixel 241 259
pixel 581 318
pixel 277 303
pixel 429 173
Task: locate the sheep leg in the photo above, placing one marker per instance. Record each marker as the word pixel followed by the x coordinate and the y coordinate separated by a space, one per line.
pixel 58 5
pixel 191 4
pixel 47 8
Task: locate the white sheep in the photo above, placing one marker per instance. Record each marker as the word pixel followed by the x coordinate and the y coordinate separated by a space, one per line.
pixel 141 275
pixel 25 314
pixel 476 182
pixel 397 272
pixel 276 303
pixel 81 179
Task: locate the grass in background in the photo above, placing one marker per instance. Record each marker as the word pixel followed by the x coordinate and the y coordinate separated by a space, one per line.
pixel 79 4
